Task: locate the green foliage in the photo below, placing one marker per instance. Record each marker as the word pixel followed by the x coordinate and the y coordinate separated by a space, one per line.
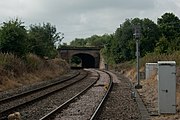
pixel 42 39
pixel 13 37
pixel 169 25
pixel 39 39
pixel 126 47
pixel 150 36
pixel 123 40
pixel 162 45
pixel 93 41
pixel 78 42
pixel 121 46
pixel 75 60
pixel 150 58
pixel 154 57
pixel 104 41
pixel 107 49
pixel 161 38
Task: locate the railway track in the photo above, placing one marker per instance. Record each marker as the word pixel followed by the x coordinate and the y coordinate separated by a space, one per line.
pixel 29 92
pixel 18 102
pixel 79 106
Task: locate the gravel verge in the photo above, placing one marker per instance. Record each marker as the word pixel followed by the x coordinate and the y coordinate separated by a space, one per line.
pixel 119 104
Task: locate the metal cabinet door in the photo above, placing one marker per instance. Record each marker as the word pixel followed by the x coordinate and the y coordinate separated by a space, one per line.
pixel 167 88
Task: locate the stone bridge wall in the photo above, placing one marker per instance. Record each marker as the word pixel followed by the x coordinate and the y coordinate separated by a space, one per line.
pixel 67 53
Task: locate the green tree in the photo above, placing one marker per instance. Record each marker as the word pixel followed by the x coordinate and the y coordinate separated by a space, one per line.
pixel 150 36
pixel 169 25
pixel 162 45
pixel 78 42
pixel 13 37
pixel 42 39
pixel 124 46
pixel 107 50
pixel 75 60
pixel 163 37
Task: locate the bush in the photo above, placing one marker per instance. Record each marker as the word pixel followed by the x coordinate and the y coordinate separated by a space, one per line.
pixel 33 62
pixel 13 38
pixel 58 64
pixel 12 65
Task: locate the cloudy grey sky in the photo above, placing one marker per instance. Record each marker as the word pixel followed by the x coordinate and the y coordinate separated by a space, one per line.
pixel 84 18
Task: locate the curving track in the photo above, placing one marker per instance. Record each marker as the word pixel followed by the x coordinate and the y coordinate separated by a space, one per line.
pixel 30 92
pixel 84 92
pixel 86 103
pixel 20 101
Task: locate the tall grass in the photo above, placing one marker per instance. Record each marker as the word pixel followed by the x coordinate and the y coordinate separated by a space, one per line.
pixel 125 66
pixel 33 62
pixel 15 71
pixel 154 57
pixel 150 58
pixel 10 64
pixel 58 63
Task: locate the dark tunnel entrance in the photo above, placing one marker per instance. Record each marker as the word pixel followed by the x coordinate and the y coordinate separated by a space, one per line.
pixel 85 60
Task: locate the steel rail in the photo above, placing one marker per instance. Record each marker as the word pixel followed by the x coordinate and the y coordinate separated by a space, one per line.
pixel 26 93
pixel 59 108
pixel 95 114
pixel 5 113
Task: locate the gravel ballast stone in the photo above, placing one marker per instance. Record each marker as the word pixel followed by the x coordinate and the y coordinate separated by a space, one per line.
pixel 25 88
pixel 119 104
pixel 84 107
pixel 38 109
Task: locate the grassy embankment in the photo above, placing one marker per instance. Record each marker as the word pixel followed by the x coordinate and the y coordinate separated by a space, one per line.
pixel 16 72
pixel 149 91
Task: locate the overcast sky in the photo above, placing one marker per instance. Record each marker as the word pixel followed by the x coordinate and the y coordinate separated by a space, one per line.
pixel 84 18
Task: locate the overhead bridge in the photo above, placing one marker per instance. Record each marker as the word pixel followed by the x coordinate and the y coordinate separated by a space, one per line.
pixel 89 56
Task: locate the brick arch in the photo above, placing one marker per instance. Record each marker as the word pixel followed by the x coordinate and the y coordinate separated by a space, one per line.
pixel 67 53
pixel 88 61
pixel 81 52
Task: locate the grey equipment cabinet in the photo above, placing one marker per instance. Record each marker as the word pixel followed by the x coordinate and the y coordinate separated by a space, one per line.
pixel 151 68
pixel 166 87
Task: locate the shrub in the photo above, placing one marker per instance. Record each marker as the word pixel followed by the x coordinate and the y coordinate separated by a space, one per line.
pixel 33 62
pixel 13 37
pixel 12 65
pixel 58 64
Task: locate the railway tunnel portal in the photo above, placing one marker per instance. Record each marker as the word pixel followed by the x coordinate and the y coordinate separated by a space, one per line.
pixel 89 57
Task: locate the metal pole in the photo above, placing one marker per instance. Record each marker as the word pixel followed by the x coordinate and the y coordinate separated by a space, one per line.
pixel 137 56
pixel 137 36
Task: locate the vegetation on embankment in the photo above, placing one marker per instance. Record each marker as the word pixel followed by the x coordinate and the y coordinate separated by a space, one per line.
pixel 23 52
pixel 150 58
pixel 149 92
pixel 130 66
pixel 16 72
